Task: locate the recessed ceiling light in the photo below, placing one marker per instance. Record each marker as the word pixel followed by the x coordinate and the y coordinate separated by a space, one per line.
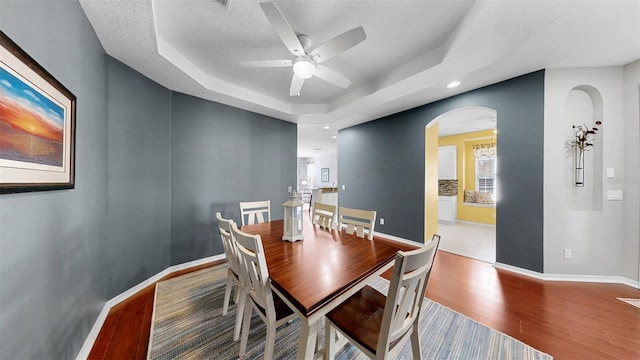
pixel 453 84
pixel 333 137
pixel 326 127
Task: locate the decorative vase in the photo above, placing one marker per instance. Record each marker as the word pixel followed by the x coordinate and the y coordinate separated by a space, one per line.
pixel 579 167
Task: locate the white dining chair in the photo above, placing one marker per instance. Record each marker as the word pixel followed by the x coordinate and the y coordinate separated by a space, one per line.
pixel 380 325
pixel 233 271
pixel 255 212
pixel 273 311
pixel 323 215
pixel 357 221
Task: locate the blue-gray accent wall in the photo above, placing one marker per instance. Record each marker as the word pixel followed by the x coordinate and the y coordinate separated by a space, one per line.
pixel 153 166
pixel 63 254
pixel 139 177
pixel 381 163
pixel 221 156
pixel 53 245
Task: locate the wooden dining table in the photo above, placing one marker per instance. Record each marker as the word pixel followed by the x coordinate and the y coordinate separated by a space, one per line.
pixel 318 273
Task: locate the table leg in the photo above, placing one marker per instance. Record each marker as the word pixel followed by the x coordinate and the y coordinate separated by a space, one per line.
pixel 308 337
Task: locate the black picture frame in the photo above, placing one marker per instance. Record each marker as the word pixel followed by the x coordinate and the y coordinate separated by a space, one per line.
pixel 38 120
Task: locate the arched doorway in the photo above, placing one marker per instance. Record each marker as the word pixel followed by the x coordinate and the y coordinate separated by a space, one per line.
pixel 467 181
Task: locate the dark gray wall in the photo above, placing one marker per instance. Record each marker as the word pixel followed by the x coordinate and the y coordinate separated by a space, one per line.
pixel 64 253
pixel 139 179
pixel 220 156
pixel 382 165
pixel 53 268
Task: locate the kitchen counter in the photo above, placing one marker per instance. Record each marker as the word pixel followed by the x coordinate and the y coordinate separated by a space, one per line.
pixel 327 195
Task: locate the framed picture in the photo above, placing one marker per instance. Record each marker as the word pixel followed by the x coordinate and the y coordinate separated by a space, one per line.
pixel 324 174
pixel 37 125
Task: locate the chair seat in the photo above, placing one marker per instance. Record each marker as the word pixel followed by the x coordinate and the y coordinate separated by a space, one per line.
pixel 378 324
pixel 282 309
pixel 360 316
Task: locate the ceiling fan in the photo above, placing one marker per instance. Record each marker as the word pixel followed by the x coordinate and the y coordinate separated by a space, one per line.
pixel 307 64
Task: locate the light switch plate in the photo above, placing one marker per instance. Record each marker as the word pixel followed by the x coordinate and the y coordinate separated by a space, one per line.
pixel 610 173
pixel 614 195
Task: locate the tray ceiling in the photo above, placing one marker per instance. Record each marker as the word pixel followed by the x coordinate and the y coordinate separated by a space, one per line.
pixel 412 51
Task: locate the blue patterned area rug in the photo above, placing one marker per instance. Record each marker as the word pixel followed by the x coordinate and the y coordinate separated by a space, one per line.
pixel 188 324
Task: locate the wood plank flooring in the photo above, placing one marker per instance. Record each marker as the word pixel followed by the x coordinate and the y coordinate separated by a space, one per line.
pixel 564 319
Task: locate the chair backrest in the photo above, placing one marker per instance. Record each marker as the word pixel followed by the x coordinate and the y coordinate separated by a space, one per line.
pixel 255 212
pixel 406 292
pixel 228 243
pixel 323 215
pixel 357 221
pixel 253 268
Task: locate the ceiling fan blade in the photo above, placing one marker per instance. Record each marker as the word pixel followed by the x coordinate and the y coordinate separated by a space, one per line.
pixel 338 44
pixel 282 28
pixel 267 63
pixel 296 85
pixel 332 77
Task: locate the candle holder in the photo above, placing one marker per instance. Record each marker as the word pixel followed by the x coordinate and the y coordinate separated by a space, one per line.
pixel 292 218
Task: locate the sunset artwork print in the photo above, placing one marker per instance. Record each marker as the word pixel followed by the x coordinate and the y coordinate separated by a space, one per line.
pixel 37 125
pixel 32 125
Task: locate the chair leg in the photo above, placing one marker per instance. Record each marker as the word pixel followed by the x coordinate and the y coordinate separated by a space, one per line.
pixel 270 340
pixel 415 342
pixel 319 327
pixel 237 297
pixel 329 340
pixel 245 326
pixel 239 312
pixel 227 293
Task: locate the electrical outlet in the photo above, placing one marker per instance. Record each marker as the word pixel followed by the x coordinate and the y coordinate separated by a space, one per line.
pixel 344 187
pixel 381 221
pixel 567 253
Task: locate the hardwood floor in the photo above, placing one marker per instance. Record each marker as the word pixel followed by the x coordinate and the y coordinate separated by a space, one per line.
pixel 125 332
pixel 564 319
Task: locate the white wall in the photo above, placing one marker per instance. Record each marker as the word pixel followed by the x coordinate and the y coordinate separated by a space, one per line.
pixel 631 220
pixel 302 174
pixel 597 235
pixel 327 161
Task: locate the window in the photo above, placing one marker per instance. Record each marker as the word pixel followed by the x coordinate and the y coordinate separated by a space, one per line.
pixel 311 172
pixel 486 175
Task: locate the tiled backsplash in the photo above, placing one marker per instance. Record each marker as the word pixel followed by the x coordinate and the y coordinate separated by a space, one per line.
pixel 447 187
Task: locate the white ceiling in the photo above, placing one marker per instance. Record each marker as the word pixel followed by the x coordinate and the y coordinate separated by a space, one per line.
pixel 413 49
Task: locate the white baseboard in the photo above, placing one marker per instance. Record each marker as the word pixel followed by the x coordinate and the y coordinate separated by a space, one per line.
pixel 570 277
pixel 398 239
pixel 95 330
pixel 537 275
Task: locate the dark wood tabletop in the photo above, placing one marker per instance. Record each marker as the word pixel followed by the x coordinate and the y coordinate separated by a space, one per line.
pixel 316 270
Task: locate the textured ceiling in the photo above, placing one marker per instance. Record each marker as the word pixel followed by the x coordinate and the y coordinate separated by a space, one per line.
pixel 413 49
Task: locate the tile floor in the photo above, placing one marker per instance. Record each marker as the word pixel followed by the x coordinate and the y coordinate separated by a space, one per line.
pixel 477 241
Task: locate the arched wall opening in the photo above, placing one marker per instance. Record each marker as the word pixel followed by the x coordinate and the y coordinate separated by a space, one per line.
pixel 382 167
pixel 583 107
pixel 469 225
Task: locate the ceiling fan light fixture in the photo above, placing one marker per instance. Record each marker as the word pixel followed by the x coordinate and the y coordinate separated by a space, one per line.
pixel 304 68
